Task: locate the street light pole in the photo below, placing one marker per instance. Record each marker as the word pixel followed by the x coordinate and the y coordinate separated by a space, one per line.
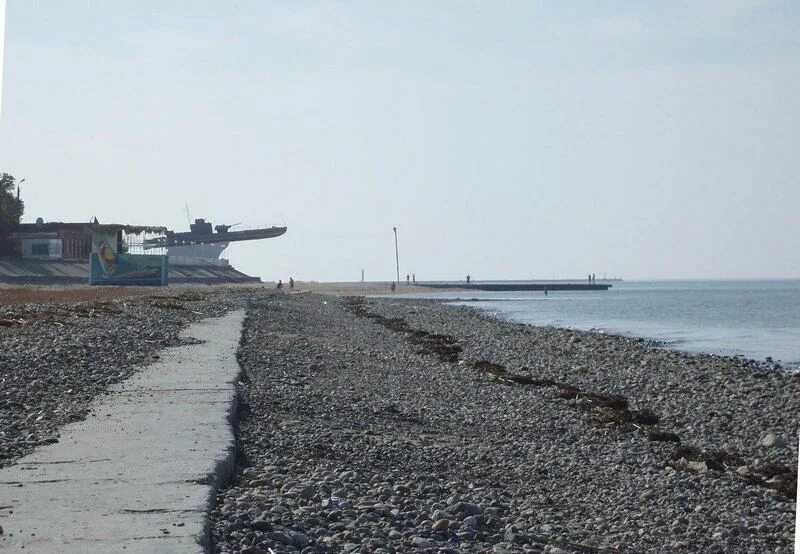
pixel 28 278
pixel 396 255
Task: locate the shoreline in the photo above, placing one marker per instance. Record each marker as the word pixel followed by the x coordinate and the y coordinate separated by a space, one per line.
pixel 788 367
pixel 393 426
pixel 656 355
pixel 403 424
pixel 769 362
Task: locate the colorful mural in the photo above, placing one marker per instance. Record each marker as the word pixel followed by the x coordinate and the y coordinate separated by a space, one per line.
pixel 108 267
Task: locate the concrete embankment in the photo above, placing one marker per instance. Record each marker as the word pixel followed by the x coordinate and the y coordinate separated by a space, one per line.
pixel 519 287
pixel 16 271
pixel 62 346
pixel 138 474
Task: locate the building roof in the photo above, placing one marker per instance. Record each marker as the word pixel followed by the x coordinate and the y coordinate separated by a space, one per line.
pixel 51 226
pixel 55 226
pixel 128 229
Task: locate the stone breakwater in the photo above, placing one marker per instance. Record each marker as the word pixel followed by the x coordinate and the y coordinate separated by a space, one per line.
pixel 56 357
pixel 408 425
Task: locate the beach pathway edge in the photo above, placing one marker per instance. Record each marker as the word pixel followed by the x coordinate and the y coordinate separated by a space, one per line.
pixel 141 472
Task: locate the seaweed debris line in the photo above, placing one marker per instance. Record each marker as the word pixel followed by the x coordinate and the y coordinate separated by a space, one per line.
pixel 410 425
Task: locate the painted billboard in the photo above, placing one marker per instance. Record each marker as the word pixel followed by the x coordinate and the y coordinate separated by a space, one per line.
pixel 108 267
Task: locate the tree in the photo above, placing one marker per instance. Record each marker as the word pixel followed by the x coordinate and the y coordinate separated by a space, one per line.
pixel 11 208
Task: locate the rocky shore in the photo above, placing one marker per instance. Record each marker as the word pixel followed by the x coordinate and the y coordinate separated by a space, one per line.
pixel 409 425
pixel 55 357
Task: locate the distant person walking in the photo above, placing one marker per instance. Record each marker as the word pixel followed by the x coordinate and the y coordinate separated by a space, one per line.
pixel 468 279
pixel 590 277
pixel 414 278
pixel 291 283
pixel 279 286
pixel 594 279
pixel 408 279
pixel 394 286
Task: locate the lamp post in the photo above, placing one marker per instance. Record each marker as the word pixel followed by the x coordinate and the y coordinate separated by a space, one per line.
pixel 28 278
pixel 19 211
pixel 396 255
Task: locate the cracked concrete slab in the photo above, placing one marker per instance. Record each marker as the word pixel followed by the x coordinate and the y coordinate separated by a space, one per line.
pixel 139 474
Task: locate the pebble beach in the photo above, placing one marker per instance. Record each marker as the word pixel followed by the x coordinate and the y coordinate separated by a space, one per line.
pixel 408 425
pixel 398 425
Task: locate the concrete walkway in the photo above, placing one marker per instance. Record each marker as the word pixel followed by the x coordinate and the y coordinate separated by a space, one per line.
pixel 140 473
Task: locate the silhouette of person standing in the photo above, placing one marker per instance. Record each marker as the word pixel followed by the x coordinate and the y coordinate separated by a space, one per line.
pixel 291 283
pixel 468 279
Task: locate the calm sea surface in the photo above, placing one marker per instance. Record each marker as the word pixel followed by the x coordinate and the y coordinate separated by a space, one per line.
pixel 755 319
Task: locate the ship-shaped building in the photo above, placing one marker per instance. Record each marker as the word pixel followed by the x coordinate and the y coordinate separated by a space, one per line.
pixel 207 242
pixel 58 252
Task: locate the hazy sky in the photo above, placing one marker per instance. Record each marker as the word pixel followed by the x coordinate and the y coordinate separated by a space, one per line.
pixel 2 47
pixel 503 139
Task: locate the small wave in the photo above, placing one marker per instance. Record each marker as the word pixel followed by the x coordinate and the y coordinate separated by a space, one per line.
pixel 673 342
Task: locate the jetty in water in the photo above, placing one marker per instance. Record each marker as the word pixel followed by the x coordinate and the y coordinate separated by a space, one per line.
pixel 513 287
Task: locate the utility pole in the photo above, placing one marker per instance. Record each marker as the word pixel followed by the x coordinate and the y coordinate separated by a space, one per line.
pixel 18 214
pixel 396 255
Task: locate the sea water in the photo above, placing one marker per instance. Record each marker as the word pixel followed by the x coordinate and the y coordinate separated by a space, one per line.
pixel 755 319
